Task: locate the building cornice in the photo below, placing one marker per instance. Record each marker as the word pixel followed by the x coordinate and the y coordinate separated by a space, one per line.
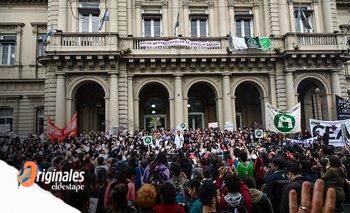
pixel 24 2
pixel 20 24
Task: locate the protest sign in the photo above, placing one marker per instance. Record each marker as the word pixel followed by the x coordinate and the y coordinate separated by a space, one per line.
pixel 213 125
pixel 332 128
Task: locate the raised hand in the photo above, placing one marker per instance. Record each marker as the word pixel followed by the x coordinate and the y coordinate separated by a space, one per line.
pixel 316 205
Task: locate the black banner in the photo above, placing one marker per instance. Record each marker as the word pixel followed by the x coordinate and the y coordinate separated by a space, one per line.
pixel 343 108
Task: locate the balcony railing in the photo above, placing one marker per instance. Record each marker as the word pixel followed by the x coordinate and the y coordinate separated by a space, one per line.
pixel 87 42
pixel 73 40
pixel 316 39
pixel 102 42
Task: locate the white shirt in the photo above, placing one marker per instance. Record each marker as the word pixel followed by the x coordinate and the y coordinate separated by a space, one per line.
pixel 179 141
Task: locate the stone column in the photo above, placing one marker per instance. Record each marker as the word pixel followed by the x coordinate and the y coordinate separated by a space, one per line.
pixel 185 101
pixel 130 105
pixel 69 108
pixel 327 16
pixel 138 19
pixel 256 20
pixel 284 17
pixel 175 10
pixel 219 109
pixel 273 89
pixel 233 105
pixel 317 16
pixel 231 13
pixel 330 98
pixel 62 15
pixel 113 16
pixel 222 10
pixel 165 22
pixel 136 114
pixel 107 117
pixel 178 100
pixel 212 30
pixel 172 113
pixel 291 15
pixel 60 119
pixel 130 21
pixel 75 22
pixel 263 101
pixel 113 102
pixel 186 21
pixel 226 98
pixel 335 82
pixel 290 88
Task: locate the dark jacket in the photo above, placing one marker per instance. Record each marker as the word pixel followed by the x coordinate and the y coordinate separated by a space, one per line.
pixel 274 187
pixel 296 185
pixel 260 202
pixel 334 177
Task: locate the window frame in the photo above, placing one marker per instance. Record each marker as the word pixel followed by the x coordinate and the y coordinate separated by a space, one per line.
pixel 37 119
pixel 8 117
pixel 12 45
pixel 152 17
pixel 40 45
pixel 243 16
pixel 92 9
pixel 198 18
pixel 308 8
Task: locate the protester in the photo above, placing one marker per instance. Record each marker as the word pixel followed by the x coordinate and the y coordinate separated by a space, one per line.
pixel 296 181
pixel 209 156
pixel 209 195
pixel 168 204
pixel 260 202
pixel 194 204
pixel 334 177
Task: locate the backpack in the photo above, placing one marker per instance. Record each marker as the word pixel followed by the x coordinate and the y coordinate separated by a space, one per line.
pixel 239 209
pixel 157 176
pixel 179 188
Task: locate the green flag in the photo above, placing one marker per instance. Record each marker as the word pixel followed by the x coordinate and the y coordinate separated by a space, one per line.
pixel 265 43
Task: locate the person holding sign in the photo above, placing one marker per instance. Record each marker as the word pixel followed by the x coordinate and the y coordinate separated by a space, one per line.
pixel 179 140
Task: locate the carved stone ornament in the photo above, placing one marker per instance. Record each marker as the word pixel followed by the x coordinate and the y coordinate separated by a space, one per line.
pixel 3 101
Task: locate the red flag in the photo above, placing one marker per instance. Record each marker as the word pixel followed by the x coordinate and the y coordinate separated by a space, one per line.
pixel 54 132
pixel 71 128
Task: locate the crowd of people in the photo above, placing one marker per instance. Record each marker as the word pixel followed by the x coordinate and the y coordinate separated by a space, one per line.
pixel 203 170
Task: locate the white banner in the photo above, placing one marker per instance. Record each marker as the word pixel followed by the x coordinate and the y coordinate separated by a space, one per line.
pixel 332 128
pixel 181 43
pixel 308 141
pixel 213 125
pixel 4 128
pixel 229 126
pixel 283 121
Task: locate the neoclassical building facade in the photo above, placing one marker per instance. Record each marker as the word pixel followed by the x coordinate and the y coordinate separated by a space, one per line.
pixel 158 63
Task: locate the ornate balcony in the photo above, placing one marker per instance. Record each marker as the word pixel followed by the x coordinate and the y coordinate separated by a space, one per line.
pixel 314 42
pixel 106 43
pixel 87 43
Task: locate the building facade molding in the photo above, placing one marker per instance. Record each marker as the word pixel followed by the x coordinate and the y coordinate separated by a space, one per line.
pixel 140 83
pixel 74 85
pixel 258 81
pixel 319 79
pixel 190 81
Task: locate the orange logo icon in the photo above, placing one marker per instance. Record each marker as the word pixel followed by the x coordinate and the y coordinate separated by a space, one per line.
pixel 27 174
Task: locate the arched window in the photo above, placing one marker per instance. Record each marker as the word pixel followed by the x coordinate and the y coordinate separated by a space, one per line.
pixel 6 116
pixel 195 104
pixel 155 105
pixel 39 120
